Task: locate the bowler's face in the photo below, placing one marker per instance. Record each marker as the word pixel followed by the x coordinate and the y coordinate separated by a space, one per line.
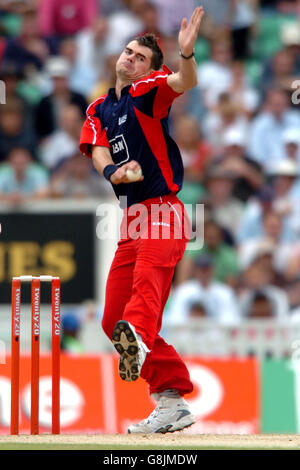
pixel 134 62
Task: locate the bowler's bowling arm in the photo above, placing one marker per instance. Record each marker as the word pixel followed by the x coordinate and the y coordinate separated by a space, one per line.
pixel 102 157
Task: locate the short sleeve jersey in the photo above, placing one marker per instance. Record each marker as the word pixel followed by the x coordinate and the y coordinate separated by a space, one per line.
pixel 136 128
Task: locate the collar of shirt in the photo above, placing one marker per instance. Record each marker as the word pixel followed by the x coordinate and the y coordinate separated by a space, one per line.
pixel 112 92
pixel 125 90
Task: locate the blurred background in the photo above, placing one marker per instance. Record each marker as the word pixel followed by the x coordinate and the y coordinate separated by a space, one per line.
pixel 236 300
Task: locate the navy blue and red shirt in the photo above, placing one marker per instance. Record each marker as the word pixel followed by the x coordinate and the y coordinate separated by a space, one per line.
pixel 136 128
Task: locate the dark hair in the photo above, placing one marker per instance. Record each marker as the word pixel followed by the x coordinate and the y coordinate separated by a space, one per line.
pixel 261 298
pixel 150 40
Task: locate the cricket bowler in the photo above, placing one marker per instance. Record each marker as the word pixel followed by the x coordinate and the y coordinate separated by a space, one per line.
pixel 127 136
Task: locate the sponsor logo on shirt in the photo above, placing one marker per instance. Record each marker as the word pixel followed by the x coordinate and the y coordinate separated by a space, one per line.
pixel 119 148
pixel 122 119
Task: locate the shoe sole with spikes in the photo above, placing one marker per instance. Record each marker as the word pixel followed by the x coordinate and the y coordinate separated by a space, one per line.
pixel 126 344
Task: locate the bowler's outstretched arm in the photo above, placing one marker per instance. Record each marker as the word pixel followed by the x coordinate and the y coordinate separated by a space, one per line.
pixel 186 77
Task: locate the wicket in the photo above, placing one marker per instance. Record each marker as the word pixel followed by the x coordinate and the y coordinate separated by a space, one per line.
pixel 35 351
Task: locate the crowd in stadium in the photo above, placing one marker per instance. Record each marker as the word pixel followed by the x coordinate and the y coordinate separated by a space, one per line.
pixel 238 132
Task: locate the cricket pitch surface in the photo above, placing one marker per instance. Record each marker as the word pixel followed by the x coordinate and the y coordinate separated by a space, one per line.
pixel 151 441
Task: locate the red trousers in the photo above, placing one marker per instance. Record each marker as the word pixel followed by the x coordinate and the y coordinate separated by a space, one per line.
pixel 139 284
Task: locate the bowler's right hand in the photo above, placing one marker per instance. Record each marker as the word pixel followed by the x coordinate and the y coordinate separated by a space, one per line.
pixel 120 176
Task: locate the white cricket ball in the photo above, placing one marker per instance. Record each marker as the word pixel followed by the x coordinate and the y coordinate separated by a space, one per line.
pixel 134 175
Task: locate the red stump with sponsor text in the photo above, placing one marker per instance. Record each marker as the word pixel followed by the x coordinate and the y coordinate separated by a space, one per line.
pixel 35 351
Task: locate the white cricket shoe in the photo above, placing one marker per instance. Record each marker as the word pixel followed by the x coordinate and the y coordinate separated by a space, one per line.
pixel 171 414
pixel 131 348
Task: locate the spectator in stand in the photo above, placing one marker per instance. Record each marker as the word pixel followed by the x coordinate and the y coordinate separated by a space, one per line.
pixel 285 181
pixel 196 154
pixel 68 51
pixel 259 276
pixel 288 6
pixel 61 18
pixel 233 158
pixel 290 35
pixel 218 299
pixel 63 143
pixel 215 76
pixel 170 50
pixel 241 20
pixel 223 118
pixel 292 268
pixel 107 79
pixel 280 73
pixel 89 61
pixel 108 7
pixel 48 110
pixel 150 20
pixel 243 95
pixel 285 255
pixel 12 76
pixel 286 185
pixel 195 151
pixel 221 75
pixel 198 310
pixel 282 196
pixel 170 13
pixel 17 7
pixel 291 142
pixel 224 256
pixel 76 179
pixel 125 24
pixel 260 305
pixel 21 179
pixel 216 11
pixel 225 208
pixel 236 15
pixel 251 222
pixel 267 128
pixel 273 237
pixel 199 329
pixel 27 51
pixel 15 128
